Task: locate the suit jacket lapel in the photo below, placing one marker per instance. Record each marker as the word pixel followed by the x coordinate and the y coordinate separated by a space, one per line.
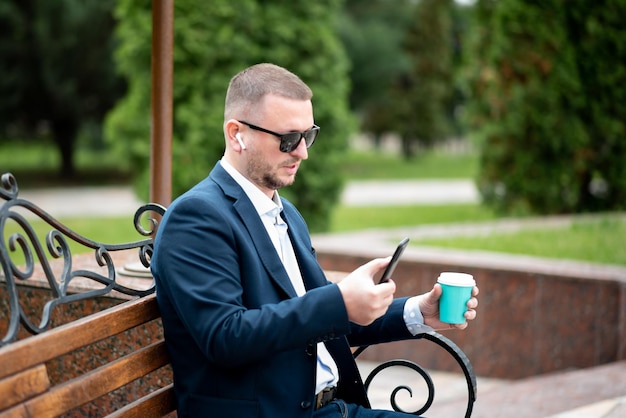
pixel 350 383
pixel 250 218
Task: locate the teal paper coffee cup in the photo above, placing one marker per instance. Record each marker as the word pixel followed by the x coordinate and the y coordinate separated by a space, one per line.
pixel 456 292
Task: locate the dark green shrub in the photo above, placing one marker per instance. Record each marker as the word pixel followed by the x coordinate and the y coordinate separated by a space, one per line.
pixel 548 104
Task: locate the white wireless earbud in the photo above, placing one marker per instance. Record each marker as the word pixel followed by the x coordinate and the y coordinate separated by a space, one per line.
pixel 238 138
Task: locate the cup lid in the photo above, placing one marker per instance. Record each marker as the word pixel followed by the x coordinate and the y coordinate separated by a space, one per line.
pixel 456 279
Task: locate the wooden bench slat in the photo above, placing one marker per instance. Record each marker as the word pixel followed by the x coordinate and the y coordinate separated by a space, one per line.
pixel 98 382
pixel 18 411
pixel 157 404
pixel 66 338
pixel 23 386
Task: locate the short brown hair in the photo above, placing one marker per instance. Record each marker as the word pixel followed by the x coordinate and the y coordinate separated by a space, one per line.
pixel 248 88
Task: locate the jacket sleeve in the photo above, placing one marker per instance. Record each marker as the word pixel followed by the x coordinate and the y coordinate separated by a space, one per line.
pixel 390 327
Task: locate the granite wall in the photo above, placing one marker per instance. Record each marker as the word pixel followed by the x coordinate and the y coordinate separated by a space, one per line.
pixel 535 316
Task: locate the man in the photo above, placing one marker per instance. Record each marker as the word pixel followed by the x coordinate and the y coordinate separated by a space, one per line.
pixel 252 326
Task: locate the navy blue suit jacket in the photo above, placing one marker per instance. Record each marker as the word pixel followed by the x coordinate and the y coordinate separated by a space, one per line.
pixel 241 343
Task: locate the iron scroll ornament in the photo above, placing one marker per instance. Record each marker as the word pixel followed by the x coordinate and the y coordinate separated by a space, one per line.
pixel 452 349
pixel 26 242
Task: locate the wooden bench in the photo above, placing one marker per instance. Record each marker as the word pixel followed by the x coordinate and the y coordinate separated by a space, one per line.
pixel 26 385
pixel 112 362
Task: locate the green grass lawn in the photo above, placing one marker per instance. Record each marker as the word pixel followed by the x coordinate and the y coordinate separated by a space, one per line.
pixel 43 155
pixel 599 240
pixel 430 165
pixel 36 165
pixel 346 218
pixel 105 230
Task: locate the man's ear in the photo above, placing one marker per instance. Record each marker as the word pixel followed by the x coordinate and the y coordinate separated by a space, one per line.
pixel 231 131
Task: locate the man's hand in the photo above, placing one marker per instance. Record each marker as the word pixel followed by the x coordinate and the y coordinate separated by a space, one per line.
pixel 365 300
pixel 429 306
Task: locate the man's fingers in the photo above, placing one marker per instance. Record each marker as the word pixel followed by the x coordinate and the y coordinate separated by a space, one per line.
pixel 374 266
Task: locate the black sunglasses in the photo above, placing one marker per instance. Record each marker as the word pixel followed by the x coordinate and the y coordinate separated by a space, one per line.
pixel 289 141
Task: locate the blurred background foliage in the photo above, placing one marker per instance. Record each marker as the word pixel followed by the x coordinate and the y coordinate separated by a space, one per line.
pixel 212 43
pixel 404 54
pixel 547 88
pixel 538 88
pixel 58 78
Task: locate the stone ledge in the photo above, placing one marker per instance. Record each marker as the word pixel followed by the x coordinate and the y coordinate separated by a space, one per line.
pixel 383 244
pixel 535 316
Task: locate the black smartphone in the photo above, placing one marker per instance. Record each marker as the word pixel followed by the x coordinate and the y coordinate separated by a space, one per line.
pixel 394 260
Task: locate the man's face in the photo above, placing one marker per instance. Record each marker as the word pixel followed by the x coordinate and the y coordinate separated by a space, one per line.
pixel 266 166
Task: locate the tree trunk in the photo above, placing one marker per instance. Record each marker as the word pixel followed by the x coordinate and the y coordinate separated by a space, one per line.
pixel 64 132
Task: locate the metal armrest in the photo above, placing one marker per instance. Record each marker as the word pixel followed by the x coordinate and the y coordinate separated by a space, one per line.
pixel 447 345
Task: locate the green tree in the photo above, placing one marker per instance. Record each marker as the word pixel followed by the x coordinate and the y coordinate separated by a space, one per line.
pixel 373 34
pixel 426 93
pixel 548 104
pixel 213 41
pixel 402 55
pixel 57 69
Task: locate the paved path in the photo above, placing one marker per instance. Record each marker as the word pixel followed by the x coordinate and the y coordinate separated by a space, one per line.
pixel 406 192
pixel 120 200
pixel 85 201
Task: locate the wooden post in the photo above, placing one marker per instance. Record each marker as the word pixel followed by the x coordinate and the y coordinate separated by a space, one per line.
pixel 161 99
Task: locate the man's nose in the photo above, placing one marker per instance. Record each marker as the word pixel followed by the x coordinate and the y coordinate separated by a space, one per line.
pixel 301 150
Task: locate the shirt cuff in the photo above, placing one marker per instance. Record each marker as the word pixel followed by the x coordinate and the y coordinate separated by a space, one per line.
pixel 413 317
